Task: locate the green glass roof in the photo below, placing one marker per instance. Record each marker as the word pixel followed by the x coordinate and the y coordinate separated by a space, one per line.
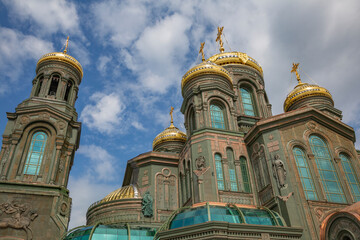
pixel 231 214
pixel 112 232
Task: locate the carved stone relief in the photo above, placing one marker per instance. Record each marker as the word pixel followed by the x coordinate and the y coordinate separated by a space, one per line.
pixel 166 190
pixel 201 168
pixel 147 205
pixel 17 216
pixel 279 172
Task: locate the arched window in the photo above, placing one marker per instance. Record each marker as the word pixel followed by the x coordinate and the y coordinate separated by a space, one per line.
pixel 232 173
pixel 68 89
pixel 350 176
pixel 54 85
pixel 217 116
pixel 247 102
pixel 192 123
pixel 35 154
pixel 245 174
pixel 304 173
pixel 329 178
pixel 219 172
pixel 39 85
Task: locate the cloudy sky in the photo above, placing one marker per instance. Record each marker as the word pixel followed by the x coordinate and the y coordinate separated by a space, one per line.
pixel 134 54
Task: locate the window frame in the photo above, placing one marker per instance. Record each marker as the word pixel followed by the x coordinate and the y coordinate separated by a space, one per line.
pixel 223 111
pixel 30 152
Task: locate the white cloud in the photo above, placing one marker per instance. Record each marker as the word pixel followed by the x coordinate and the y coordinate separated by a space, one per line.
pixel 119 22
pixel 105 114
pixel 101 162
pixel 158 54
pixel 17 48
pixel 49 16
pixel 102 65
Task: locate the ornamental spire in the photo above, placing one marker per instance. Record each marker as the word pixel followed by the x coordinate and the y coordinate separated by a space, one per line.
pixel 202 51
pixel 66 45
pixel 295 70
pixel 171 115
pixel 218 39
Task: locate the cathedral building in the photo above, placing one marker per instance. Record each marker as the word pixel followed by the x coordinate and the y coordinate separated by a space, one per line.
pixel 238 173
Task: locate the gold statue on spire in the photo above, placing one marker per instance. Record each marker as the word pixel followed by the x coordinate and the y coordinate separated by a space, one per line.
pixel 218 39
pixel 295 70
pixel 202 51
pixel 67 44
pixel 171 115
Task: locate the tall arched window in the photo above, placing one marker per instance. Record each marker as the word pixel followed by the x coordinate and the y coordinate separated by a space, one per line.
pixel 192 123
pixel 232 173
pixel 245 174
pixel 35 154
pixel 219 172
pixel 304 173
pixel 350 176
pixel 217 116
pixel 247 102
pixel 329 178
pixel 39 85
pixel 67 91
pixel 54 85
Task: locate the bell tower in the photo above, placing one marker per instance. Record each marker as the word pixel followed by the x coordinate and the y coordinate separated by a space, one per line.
pixel 38 147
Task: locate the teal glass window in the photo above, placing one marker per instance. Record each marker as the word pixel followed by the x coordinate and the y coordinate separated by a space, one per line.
pixel 245 174
pixel 350 176
pixel 217 117
pixel 247 102
pixel 224 214
pixel 190 216
pixel 329 178
pixel 35 154
pixel 258 217
pixel 304 173
pixel 219 172
pixel 232 173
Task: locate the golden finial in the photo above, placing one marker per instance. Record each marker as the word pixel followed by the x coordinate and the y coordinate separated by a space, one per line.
pixel 202 51
pixel 171 115
pixel 66 46
pixel 294 69
pixel 218 38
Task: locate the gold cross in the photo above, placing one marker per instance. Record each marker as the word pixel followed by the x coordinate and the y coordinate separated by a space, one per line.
pixel 218 38
pixel 171 114
pixel 66 46
pixel 294 69
pixel 202 51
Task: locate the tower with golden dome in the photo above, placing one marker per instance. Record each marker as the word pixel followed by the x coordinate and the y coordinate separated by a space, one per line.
pixel 38 147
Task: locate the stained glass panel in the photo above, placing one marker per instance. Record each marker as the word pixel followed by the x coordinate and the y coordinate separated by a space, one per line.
pixel 217 117
pixel 219 172
pixel 329 178
pixel 245 174
pixel 35 153
pixel 350 176
pixel 247 102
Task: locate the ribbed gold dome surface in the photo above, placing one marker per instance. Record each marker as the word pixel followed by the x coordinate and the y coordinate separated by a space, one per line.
pixel 129 191
pixel 305 90
pixel 205 68
pixel 171 133
pixel 235 58
pixel 63 57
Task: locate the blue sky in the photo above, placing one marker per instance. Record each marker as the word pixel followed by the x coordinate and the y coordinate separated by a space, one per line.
pixel 134 54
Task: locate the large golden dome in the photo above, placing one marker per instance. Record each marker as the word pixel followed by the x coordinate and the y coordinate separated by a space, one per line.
pixel 205 68
pixel 170 134
pixel 303 91
pixel 129 191
pixel 62 57
pixel 225 58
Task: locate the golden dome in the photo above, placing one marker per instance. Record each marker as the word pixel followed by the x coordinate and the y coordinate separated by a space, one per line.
pixel 305 90
pixel 225 58
pixel 63 57
pixel 129 191
pixel 171 133
pixel 205 68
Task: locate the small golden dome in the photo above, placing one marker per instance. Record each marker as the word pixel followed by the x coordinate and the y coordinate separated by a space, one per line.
pixel 171 133
pixel 205 68
pixel 305 90
pixel 63 57
pixel 129 191
pixel 235 58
